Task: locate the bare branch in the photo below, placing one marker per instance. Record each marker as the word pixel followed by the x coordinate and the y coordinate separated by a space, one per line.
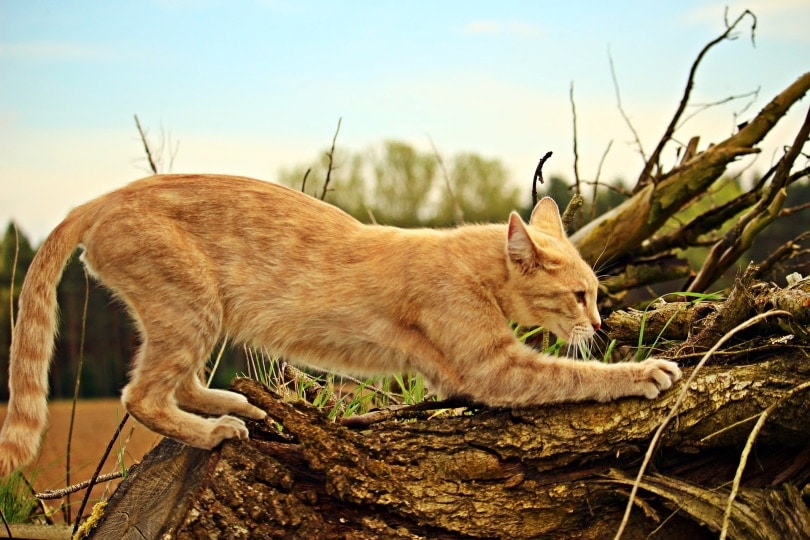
pixel 577 189
pixel 653 162
pixel 59 493
pixel 784 252
pixel 741 236
pixel 456 208
pixel 595 182
pixel 700 107
pixel 97 472
pixel 621 108
pixel 331 155
pixel 538 175
pixel 624 228
pixel 146 148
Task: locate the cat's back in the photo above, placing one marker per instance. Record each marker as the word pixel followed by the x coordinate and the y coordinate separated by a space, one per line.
pixel 203 202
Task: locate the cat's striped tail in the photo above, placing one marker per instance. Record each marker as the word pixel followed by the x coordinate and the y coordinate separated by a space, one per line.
pixel 32 344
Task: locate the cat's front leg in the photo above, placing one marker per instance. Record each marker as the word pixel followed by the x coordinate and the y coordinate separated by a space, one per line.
pixel 647 378
pixel 519 376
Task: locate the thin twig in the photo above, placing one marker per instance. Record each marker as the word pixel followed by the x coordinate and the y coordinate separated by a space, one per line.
pixel 5 524
pixel 304 180
pixel 676 407
pixel 786 251
pixel 793 210
pixel 76 386
pixel 459 215
pixel 538 176
pixel 576 150
pixel 96 474
pixel 65 491
pixel 749 444
pixel 621 107
pixel 598 176
pixel 331 156
pixel 146 148
pixel 700 107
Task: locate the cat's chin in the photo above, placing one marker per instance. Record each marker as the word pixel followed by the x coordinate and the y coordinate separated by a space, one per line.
pixel 579 334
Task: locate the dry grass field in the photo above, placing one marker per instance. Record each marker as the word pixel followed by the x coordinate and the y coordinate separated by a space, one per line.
pixel 94 425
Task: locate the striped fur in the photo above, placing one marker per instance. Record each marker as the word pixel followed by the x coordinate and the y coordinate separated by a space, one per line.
pixel 199 257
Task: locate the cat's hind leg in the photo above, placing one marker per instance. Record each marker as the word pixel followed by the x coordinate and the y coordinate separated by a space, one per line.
pixel 193 396
pixel 180 322
pixel 150 399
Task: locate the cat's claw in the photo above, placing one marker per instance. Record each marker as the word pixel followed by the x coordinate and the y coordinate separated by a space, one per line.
pixel 658 375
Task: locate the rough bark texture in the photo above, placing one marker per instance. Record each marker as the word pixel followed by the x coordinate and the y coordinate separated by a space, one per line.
pixel 553 472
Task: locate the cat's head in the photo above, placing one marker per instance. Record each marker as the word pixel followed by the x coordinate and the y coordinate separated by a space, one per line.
pixel 549 284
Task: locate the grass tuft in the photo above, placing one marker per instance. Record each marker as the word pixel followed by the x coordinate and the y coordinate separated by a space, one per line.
pixel 16 501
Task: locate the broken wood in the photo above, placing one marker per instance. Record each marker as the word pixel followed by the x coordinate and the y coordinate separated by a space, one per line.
pixel 553 472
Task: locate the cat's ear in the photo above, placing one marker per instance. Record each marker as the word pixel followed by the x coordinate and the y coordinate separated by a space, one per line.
pixel 546 217
pixel 519 244
pixel 525 252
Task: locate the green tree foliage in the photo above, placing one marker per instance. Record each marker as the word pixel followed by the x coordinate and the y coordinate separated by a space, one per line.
pixel 481 188
pixel 402 186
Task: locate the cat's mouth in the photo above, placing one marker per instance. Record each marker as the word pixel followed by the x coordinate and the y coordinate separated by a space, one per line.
pixel 580 333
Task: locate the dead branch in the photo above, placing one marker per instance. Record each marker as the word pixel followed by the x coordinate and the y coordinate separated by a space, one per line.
pixel 63 492
pixel 623 229
pixel 646 175
pixel 767 209
pixel 788 250
pixel 540 472
pixel 150 159
pixel 674 411
pixel 571 210
pixel 304 180
pixel 331 156
pixel 447 184
pixel 619 105
pixel 577 180
pixel 596 179
pixel 538 175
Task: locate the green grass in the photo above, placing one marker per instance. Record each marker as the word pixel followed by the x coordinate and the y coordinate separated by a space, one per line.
pixel 338 396
pixel 16 500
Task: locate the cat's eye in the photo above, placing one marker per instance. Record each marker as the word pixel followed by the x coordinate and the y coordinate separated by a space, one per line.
pixel 581 297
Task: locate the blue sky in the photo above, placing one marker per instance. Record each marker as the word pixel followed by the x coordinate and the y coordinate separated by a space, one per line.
pixel 249 87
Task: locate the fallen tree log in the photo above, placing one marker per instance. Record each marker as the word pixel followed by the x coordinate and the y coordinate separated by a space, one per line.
pixel 552 472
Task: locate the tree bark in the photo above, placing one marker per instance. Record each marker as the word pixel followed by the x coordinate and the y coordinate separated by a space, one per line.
pixel 551 472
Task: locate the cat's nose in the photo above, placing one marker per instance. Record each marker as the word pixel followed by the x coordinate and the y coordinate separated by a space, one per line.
pixel 596 326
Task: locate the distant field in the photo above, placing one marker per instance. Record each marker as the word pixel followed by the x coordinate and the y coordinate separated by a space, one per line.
pixel 94 426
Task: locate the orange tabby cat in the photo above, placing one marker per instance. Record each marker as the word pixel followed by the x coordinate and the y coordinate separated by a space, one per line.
pixel 196 258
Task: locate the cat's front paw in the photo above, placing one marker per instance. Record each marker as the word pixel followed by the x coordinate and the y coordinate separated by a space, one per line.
pixel 656 375
pixel 227 427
